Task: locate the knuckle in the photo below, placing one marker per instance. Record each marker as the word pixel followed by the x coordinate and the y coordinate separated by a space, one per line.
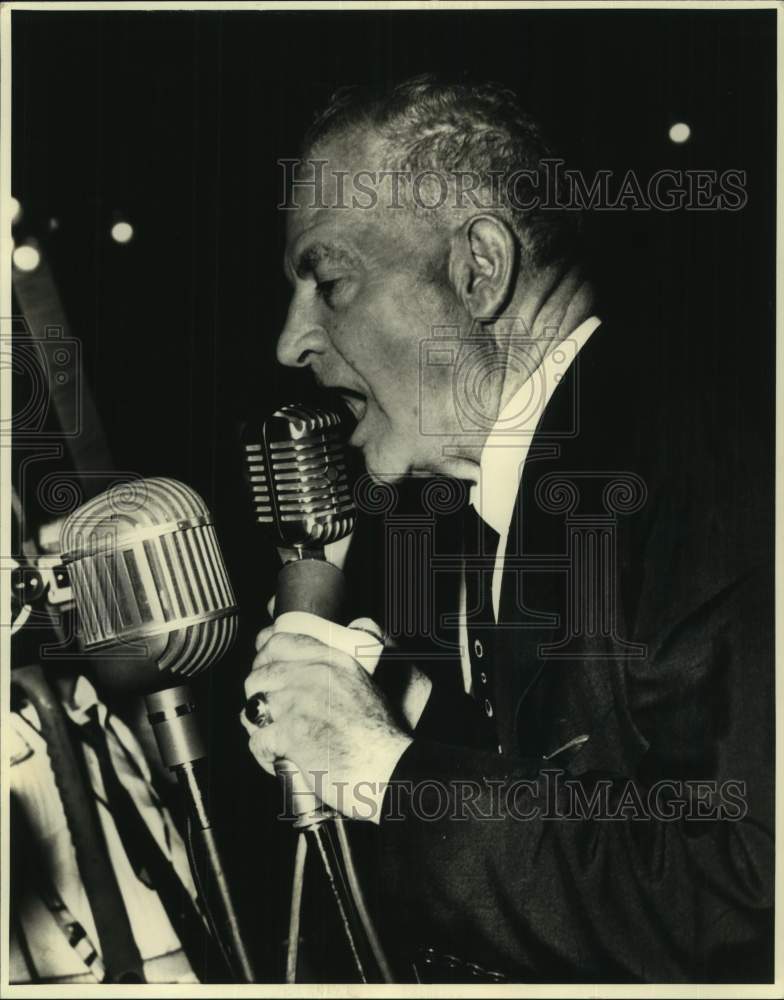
pixel 285 703
pixel 254 682
pixel 277 645
pixel 263 637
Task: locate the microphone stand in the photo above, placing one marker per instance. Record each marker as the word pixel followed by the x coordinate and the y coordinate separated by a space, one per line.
pixel 296 473
pixel 172 714
pixel 166 538
pixel 311 584
pixel 328 838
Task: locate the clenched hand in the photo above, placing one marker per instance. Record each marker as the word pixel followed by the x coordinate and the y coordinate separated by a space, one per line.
pixel 328 717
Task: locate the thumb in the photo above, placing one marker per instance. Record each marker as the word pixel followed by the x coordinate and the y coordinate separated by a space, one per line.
pixel 368 625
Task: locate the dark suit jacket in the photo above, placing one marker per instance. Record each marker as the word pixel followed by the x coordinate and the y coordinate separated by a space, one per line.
pixel 662 659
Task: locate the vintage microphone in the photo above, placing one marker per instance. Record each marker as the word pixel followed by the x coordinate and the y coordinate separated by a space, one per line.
pixel 154 599
pixel 296 469
pixel 297 473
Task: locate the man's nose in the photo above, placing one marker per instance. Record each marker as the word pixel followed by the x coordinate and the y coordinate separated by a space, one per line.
pixel 300 339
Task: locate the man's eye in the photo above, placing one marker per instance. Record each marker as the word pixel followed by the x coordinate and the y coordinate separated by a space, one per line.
pixel 327 289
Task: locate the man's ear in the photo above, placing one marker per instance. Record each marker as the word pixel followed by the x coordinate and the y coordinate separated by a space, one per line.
pixel 483 266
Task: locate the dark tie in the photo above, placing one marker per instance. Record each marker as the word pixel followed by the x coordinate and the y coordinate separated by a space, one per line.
pixel 480 543
pixel 145 855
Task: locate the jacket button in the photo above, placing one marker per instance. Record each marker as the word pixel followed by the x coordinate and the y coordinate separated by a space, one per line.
pixel 483 677
pixel 488 709
pixel 478 650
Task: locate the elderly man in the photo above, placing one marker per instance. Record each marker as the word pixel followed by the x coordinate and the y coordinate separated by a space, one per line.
pixel 584 792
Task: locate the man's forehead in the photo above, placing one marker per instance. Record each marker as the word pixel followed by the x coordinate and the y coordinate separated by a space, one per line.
pixel 331 213
pixel 330 171
pixel 338 205
pixel 349 153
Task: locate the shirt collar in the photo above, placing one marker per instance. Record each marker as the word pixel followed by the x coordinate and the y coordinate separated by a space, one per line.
pixel 505 450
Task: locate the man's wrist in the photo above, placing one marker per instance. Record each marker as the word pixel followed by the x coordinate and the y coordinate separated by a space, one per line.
pixel 384 767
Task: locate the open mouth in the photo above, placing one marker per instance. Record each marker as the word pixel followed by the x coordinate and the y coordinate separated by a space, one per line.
pixel 355 401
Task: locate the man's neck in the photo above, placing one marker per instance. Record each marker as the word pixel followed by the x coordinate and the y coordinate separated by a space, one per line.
pixel 542 313
pixel 547 311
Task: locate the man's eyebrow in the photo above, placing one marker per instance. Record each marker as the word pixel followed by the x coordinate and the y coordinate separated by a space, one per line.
pixel 319 253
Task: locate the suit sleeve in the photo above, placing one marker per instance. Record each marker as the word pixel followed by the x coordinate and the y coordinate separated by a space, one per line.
pixel 641 876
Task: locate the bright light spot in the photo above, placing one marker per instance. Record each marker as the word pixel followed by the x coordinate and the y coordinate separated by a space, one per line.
pixel 26 258
pixel 680 132
pixel 122 232
pixel 16 211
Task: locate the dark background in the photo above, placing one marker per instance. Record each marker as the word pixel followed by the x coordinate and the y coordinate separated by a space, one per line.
pixel 174 122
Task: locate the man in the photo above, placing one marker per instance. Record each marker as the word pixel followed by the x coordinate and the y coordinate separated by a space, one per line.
pixel 585 792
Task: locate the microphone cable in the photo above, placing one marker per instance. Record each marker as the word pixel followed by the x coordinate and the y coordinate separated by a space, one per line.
pixel 359 902
pixel 297 884
pixel 209 916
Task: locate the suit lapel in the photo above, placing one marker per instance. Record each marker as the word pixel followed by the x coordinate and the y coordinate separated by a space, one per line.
pixel 534 594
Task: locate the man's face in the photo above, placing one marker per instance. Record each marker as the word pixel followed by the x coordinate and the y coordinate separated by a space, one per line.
pixel 369 287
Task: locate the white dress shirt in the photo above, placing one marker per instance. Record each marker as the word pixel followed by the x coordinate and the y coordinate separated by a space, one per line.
pixel 503 458
pixel 33 784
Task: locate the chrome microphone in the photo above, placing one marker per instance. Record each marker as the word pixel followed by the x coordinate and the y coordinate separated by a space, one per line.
pixel 153 598
pixel 296 469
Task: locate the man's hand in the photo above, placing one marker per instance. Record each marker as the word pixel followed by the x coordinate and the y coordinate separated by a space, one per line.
pixel 328 717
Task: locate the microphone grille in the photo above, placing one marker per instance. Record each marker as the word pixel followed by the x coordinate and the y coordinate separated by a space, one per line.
pixel 144 563
pixel 296 468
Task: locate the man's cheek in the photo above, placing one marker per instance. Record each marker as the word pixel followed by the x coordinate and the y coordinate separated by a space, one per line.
pixel 436 393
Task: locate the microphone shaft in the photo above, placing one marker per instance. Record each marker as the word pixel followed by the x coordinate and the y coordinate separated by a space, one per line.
pixel 318 587
pixel 238 960
pixel 312 585
pixel 172 715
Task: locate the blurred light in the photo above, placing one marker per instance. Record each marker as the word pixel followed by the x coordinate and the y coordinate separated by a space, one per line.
pixel 53 225
pixel 122 232
pixel 16 210
pixel 679 132
pixel 26 257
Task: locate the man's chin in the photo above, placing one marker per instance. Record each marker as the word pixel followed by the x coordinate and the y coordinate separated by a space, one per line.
pixel 385 463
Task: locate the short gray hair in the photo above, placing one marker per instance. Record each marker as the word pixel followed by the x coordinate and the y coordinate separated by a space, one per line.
pixel 448 128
